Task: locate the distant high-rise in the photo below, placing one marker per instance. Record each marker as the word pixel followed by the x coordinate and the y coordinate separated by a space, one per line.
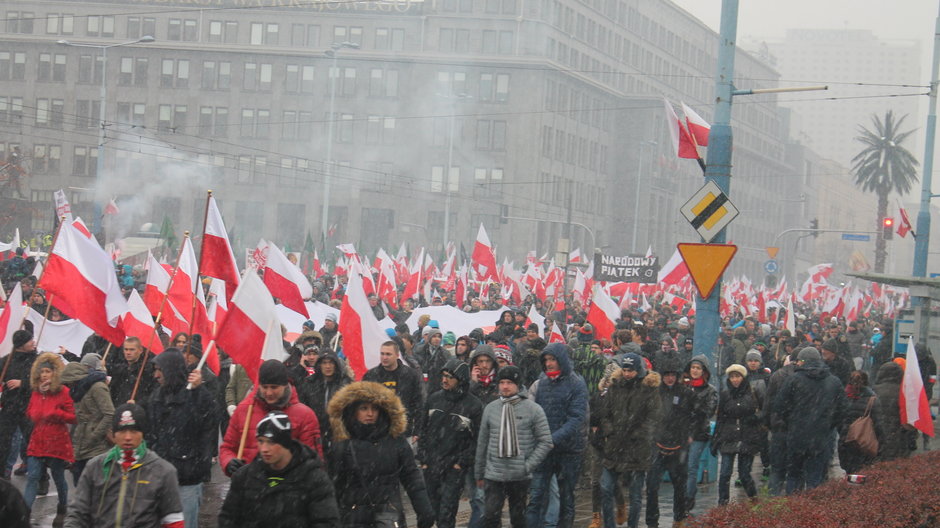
pixel 838 57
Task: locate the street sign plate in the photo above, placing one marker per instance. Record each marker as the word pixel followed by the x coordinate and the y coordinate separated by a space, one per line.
pixel 771 266
pixel 706 263
pixel 856 238
pixel 772 251
pixel 709 211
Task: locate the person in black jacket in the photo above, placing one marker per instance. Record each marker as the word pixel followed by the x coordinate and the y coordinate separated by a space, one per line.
pixel 284 487
pixel 671 449
pixel 696 377
pixel 124 369
pixel 371 458
pixel 316 390
pixel 861 399
pixel 183 428
pixel 16 394
pixel 447 442
pixel 737 431
pixel 403 380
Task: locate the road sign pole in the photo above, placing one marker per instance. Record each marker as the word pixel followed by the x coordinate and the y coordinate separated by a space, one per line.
pixel 718 170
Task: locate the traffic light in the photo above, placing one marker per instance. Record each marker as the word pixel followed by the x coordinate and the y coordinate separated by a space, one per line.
pixel 887 228
pixel 814 225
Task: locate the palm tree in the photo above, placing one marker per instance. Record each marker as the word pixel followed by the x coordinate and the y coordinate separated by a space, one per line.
pixel 883 166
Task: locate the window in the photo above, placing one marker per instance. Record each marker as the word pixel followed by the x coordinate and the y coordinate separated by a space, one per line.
pixel 128 113
pixel 46 158
pixel 18 72
pixel 263 34
pixel 141 27
pixel 45 67
pixel 257 77
pixel 380 130
pixel 42 112
pixel 289 124
pixel 491 135
pixel 100 26
pixel 487 182
pixel 57 115
pixel 383 83
pixel 174 73
pixel 189 30
pixel 84 160
pixel 58 67
pixel 247 127
pixel 313 36
pixel 437 179
pixel 298 79
pixel 90 68
pixel 20 22
pixel 382 41
pixel 345 84
pixel 59 24
pixel 87 113
pixel 355 35
pixel 216 75
pixel 255 123
pixel 345 128
pixel 398 39
pixel 304 125
pixel 11 109
pixel 133 71
pixel 494 87
pixel 171 117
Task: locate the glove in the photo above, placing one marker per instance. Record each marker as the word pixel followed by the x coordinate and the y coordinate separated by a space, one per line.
pixel 231 410
pixel 233 465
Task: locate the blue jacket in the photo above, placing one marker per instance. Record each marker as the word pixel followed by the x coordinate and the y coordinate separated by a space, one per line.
pixel 565 402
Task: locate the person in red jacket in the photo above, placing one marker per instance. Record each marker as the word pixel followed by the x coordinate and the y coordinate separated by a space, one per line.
pixel 50 409
pixel 274 393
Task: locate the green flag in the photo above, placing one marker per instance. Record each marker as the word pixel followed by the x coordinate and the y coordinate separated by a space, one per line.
pixel 168 233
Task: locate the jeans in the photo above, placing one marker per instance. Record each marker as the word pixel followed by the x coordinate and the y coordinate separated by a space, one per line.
pixel 476 502
pixel 12 423
pixel 444 484
pixel 35 468
pixel 554 508
pixel 566 467
pixel 778 462
pixel 809 465
pixel 496 493
pixel 597 470
pixel 695 457
pixel 745 460
pixel 631 479
pixel 77 468
pixel 191 496
pixel 678 468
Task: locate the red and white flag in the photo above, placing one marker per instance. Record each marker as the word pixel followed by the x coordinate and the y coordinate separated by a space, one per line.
pixel 556 336
pixel 914 407
pixel 820 272
pixel 286 282
pixel 603 314
pixel 904 226
pixel 81 276
pixel 11 319
pixel 138 322
pixel 186 293
pixel 413 286
pixel 62 207
pixel 362 333
pixel 158 280
pixel 483 260
pixel 251 332
pixel 217 259
pixel 575 256
pixel 111 208
pixel 698 127
pixel 217 307
pixel 681 140
pixel 674 271
pixel 535 317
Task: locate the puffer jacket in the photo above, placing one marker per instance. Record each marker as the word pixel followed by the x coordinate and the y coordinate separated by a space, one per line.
pixel 93 410
pixel 451 423
pixel 896 440
pixel 738 426
pixel 626 418
pixel 50 413
pixel 706 401
pixel 535 442
pixel 369 463
pixel 565 402
pixel 301 494
pixel 811 403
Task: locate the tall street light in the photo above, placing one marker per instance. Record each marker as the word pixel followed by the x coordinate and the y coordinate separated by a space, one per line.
pixel 333 53
pixel 99 167
pixel 639 172
pixel 450 165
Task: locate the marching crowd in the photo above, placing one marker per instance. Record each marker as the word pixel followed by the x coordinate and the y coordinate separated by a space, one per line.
pixel 504 417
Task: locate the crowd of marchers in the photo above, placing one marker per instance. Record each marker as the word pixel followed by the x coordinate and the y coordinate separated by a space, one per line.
pixel 501 417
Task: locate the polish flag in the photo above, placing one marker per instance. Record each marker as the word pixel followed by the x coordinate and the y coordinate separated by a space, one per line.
pixel 11 319
pixel 317 268
pixel 251 333
pixel 217 259
pixel 111 208
pixel 461 287
pixel 535 317
pixel 674 271
pixel 386 287
pixel 915 410
pixel 413 286
pixel 820 272
pixel 904 226
pixel 790 323
pixel 574 256
pixel 483 259
pixel 698 127
pixel 603 314
pixel 158 280
pixel 186 293
pixel 80 225
pixel 555 336
pixel 217 307
pixel 286 282
pixel 81 275
pixel 682 142
pixel 362 334
pixel 138 322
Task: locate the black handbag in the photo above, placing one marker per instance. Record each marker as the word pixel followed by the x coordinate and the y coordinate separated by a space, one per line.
pixel 383 515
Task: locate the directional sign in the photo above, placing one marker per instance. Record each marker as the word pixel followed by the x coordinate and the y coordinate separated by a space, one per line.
pixel 771 266
pixel 706 263
pixel 709 211
pixel 856 238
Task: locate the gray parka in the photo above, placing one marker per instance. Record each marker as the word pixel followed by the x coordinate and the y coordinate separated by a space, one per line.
pixel 535 442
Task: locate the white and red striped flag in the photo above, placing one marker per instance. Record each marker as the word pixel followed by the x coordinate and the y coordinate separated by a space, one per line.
pixel 483 260
pixel 362 333
pixel 138 322
pixel 682 142
pixel 217 259
pixel 603 314
pixel 286 282
pixel 11 319
pixel 914 407
pixel 673 271
pixel 698 127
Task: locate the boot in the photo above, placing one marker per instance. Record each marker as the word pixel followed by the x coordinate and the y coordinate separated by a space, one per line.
pixel 43 485
pixel 621 514
pixel 596 521
pixel 59 519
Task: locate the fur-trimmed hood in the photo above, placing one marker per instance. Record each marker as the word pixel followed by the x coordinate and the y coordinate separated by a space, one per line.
pixel 652 379
pixel 366 391
pixel 46 359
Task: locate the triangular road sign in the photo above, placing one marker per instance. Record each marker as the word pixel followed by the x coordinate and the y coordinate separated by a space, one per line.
pixel 706 263
pixel 772 251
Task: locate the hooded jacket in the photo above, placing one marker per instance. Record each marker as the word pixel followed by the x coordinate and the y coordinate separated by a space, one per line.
pixel 432 359
pixel 706 400
pixel 895 441
pixel 810 404
pixel 93 410
pixel 626 417
pixel 305 428
pixel 526 357
pixel 485 393
pixel 183 423
pixel 368 463
pixel 50 412
pixel 451 423
pixel 678 414
pixel 535 442
pixel 316 391
pixel 301 494
pixel 565 402
pixel 738 426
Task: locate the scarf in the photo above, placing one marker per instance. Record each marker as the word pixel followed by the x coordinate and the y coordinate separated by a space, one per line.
pixel 552 374
pixel 700 382
pixel 852 392
pixel 508 436
pixel 486 379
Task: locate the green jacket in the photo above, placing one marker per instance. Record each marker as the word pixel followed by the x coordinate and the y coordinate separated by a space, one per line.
pixel 626 418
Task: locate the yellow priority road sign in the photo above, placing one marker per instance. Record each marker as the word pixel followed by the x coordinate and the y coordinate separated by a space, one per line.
pixel 709 211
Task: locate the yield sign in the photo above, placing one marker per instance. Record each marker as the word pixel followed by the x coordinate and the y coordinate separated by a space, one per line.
pixel 706 263
pixel 772 251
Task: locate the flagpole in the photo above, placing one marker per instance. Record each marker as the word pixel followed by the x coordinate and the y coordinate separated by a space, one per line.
pixel 45 317
pixel 192 313
pixel 156 322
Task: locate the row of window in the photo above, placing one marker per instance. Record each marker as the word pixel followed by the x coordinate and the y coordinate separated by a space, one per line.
pixel 490 41
pixel 586 197
pixel 565 146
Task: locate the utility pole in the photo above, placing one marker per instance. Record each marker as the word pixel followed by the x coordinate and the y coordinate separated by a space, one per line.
pixel 922 239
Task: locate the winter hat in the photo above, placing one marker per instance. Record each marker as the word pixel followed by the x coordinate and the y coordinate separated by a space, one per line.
pixel 831 345
pixel 129 416
pixel 587 328
pixel 433 323
pixel 331 317
pixel 683 322
pixel 502 352
pixel 753 355
pixel 92 361
pixel 511 373
pixel 194 346
pixel 430 332
pixel 688 341
pixel 21 337
pixel 309 325
pixel 272 372
pixel 740 369
pixel 275 427
pixel 633 362
pixel 670 364
pixel 809 354
pixel 458 369
pixel 450 338
pixel 173 366
pixel 391 332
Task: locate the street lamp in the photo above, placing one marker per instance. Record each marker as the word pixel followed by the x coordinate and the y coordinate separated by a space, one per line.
pixel 636 205
pixel 332 53
pixel 450 163
pixel 99 167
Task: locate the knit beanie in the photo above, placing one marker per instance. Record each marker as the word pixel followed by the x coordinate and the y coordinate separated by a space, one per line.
pixel 511 373
pixel 272 372
pixel 21 337
pixel 129 416
pixel 740 369
pixel 809 354
pixel 275 427
pixel 753 355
